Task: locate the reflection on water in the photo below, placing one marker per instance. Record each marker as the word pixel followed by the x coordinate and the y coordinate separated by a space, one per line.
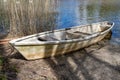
pixel 87 11
pixel 78 12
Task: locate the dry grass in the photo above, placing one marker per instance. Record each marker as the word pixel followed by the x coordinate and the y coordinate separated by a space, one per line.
pixel 24 17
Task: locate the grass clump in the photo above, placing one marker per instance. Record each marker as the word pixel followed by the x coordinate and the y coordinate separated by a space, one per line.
pixel 1 60
pixel 2 75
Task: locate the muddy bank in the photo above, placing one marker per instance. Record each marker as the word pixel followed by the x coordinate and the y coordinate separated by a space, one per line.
pixel 100 61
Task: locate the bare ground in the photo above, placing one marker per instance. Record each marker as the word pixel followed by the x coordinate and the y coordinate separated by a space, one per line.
pixel 100 61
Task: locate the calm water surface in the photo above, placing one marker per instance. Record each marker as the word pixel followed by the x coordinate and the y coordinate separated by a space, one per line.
pixel 79 12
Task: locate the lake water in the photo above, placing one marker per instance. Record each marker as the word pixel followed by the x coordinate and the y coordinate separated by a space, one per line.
pixel 79 12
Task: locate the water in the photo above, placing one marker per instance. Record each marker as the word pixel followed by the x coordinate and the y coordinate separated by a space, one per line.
pixel 72 13
pixel 79 12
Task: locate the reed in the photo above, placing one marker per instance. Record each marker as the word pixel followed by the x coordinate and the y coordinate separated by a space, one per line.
pixel 25 17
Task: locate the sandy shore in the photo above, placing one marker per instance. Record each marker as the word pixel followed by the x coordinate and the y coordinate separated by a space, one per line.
pixel 100 61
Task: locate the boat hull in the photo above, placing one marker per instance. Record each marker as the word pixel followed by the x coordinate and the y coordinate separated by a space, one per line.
pixel 57 42
pixel 31 52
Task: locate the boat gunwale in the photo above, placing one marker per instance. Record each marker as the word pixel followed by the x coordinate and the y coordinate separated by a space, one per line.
pixel 14 42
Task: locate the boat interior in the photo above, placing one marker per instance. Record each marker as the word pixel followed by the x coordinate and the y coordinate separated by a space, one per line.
pixel 69 33
pixel 75 32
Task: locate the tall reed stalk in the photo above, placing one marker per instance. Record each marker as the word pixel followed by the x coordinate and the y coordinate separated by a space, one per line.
pixel 25 17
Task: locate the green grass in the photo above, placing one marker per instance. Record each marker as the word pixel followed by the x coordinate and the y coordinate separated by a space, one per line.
pixel 1 60
pixel 2 76
pixel 13 68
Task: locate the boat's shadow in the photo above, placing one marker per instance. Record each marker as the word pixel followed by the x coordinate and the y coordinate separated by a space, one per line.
pixel 83 64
